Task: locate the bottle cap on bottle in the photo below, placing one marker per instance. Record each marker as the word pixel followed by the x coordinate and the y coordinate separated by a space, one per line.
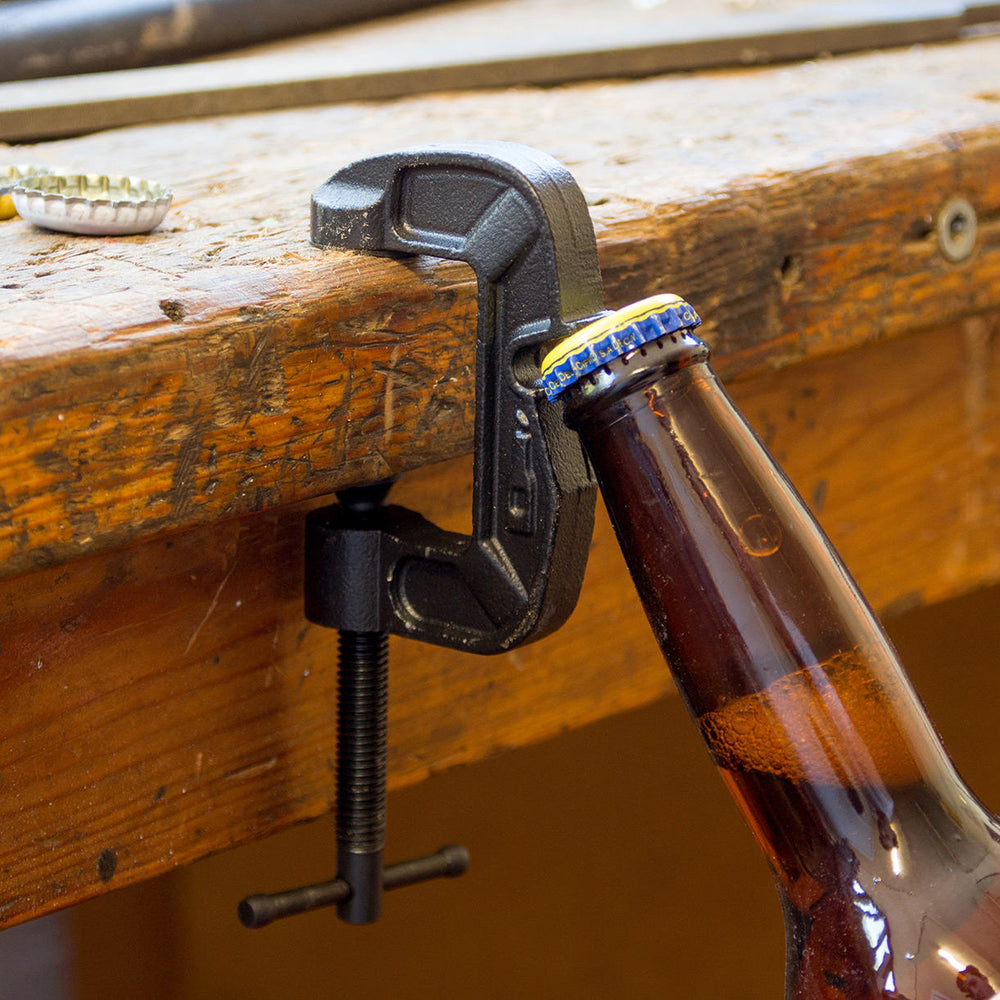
pixel 613 335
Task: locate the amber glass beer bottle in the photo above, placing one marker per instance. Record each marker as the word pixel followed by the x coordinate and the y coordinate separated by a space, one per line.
pixel 887 866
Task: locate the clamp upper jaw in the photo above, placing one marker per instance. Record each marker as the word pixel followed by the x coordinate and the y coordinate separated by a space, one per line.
pixel 518 218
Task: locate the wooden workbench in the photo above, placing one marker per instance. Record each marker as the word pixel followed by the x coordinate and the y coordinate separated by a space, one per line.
pixel 172 404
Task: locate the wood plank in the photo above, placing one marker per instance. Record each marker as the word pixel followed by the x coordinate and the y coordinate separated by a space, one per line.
pixel 489 43
pixel 169 700
pixel 219 366
pixel 165 698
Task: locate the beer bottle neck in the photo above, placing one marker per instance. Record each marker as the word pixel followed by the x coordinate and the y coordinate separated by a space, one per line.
pixel 887 865
pixel 795 686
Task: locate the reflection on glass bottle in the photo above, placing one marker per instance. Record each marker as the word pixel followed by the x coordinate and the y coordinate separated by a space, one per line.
pixel 886 864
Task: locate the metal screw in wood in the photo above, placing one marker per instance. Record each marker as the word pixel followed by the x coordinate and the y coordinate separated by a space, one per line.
pixel 957 229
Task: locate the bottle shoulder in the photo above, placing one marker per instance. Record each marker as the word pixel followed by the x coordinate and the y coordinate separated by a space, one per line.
pixel 914 916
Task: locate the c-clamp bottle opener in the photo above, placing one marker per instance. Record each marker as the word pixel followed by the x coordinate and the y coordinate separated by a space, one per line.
pixel 518 218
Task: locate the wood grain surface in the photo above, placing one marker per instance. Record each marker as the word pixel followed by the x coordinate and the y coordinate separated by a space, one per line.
pixel 221 365
pixel 171 404
pixel 168 700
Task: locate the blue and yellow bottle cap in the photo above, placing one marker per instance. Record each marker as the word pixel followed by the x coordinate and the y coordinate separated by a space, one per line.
pixel 613 335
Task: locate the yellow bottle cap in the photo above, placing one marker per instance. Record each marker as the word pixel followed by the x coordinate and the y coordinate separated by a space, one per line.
pixel 613 335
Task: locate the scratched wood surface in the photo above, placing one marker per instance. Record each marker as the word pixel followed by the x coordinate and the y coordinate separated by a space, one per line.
pixel 163 697
pixel 168 700
pixel 221 365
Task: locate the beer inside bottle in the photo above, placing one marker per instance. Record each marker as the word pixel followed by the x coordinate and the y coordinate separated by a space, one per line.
pixel 887 866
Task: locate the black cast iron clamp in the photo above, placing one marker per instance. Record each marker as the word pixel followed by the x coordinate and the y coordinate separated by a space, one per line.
pixel 518 218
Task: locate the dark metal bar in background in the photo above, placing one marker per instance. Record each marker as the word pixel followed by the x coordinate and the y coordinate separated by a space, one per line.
pixel 42 38
pixel 446 48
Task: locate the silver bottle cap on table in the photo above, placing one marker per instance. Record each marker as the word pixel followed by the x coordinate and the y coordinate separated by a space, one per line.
pixel 92 204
